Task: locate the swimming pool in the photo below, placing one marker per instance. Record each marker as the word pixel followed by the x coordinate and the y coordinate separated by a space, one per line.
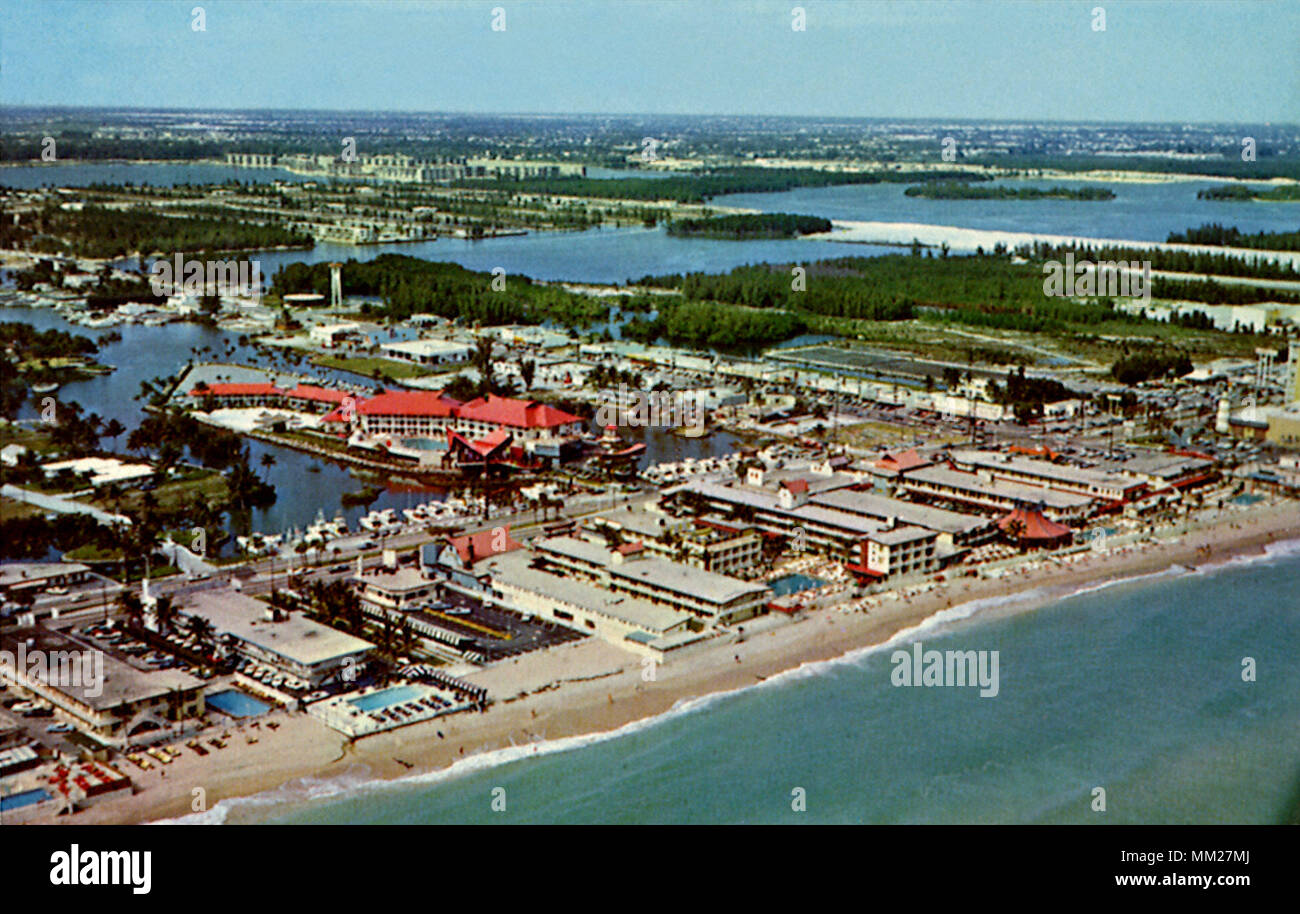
pixel 236 703
pixel 793 583
pixel 1247 499
pixel 383 699
pixel 26 798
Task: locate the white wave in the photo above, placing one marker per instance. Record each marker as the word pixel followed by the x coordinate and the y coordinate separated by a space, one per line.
pixel 296 790
pixel 309 789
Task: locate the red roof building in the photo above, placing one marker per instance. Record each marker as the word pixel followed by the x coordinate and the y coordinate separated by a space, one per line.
pixel 524 415
pixel 1029 527
pixel 483 545
pixel 301 397
pixel 902 462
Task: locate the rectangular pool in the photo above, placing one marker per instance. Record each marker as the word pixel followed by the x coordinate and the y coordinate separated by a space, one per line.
pixel 236 703
pixel 26 798
pixel 794 583
pixel 383 699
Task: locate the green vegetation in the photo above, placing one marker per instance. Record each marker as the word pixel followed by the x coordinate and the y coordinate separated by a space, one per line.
pixel 409 286
pixel 1230 166
pixel 1151 363
pixel 372 367
pixel 1173 261
pixel 168 434
pixel 1213 293
pixel 1238 193
pixel 749 226
pixel 1026 395
pixel 29 356
pixel 95 231
pixel 718 326
pixel 1216 234
pixel 698 188
pixel 961 190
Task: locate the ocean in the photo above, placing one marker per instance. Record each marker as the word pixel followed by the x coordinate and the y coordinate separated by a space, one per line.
pixel 1136 688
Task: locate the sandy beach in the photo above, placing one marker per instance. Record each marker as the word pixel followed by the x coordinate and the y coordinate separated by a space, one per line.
pixel 968 239
pixel 591 687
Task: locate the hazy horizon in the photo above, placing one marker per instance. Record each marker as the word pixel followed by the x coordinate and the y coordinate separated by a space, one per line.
pixel 1154 63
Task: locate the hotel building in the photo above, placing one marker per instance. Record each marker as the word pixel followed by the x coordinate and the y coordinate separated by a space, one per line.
pixel 115 703
pixel 630 570
pixel 291 643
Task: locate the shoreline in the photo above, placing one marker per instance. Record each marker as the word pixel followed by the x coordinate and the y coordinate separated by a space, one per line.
pixel 591 690
pixel 856 231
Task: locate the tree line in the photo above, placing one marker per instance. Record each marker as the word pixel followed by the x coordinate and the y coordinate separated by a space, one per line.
pixel 408 285
pixel 745 226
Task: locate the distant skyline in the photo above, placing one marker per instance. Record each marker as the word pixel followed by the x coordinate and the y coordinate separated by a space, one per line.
pixel 1224 62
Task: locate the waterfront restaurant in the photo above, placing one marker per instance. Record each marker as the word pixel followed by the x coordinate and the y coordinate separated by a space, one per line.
pixel 430 414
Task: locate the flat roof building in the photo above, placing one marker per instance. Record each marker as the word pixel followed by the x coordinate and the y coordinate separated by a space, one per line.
pixel 99 690
pixel 290 642
pixel 706 594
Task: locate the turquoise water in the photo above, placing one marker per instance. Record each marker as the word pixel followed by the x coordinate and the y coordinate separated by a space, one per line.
pixel 236 703
pixel 1247 499
pixel 1135 688
pixel 26 798
pixel 794 583
pixel 388 697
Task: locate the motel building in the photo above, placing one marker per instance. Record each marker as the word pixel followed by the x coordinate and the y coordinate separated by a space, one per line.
pixel 641 626
pixel 871 548
pixel 304 398
pixel 288 642
pixel 397 415
pixel 629 569
pixel 986 492
pixel 129 704
pixel 1098 484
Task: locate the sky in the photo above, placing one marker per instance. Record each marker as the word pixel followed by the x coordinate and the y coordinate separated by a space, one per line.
pixel 1216 61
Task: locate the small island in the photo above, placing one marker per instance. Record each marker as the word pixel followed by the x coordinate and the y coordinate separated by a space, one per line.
pixel 1242 193
pixel 961 190
pixel 749 226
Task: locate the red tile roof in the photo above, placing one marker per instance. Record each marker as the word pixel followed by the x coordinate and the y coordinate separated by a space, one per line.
pixel 408 403
pixel 907 460
pixel 797 486
pixel 311 392
pixel 1034 526
pixel 515 413
pixel 235 390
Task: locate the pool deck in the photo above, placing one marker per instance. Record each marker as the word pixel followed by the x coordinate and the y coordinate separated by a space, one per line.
pixel 341 714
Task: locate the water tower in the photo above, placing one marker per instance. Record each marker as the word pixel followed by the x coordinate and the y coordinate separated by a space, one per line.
pixel 336 285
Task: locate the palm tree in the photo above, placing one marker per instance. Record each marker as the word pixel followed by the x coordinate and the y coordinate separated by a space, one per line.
pixel 165 612
pixel 201 629
pixel 268 461
pixel 131 606
pixel 1015 529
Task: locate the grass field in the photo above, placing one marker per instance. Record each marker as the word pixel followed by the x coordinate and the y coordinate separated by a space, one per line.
pixel 368 366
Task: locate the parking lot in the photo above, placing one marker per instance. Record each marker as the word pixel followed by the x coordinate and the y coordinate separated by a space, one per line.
pixel 523 635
